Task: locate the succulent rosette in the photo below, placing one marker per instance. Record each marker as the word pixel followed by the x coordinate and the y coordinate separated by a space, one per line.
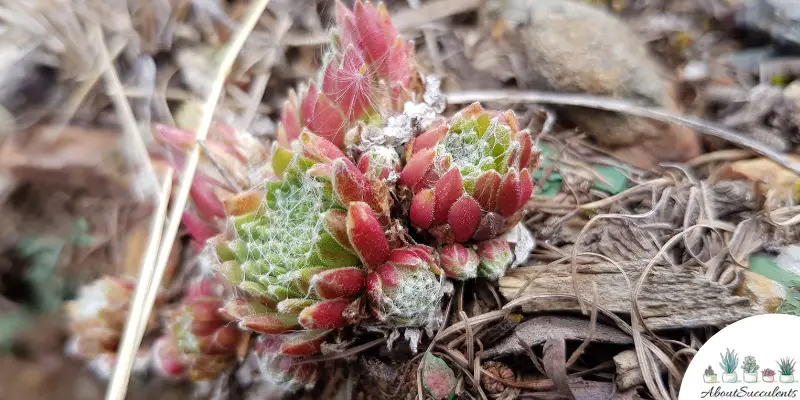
pixel 97 316
pixel 403 288
pixel 470 180
pixel 282 369
pixel 203 341
pixel 303 248
pixel 368 70
pixel 470 177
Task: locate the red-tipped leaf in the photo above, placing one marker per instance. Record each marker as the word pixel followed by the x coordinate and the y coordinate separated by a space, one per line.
pixel 302 344
pixel 464 217
pixel 270 323
pixel 366 235
pixel 324 315
pixel 509 194
pixel 421 211
pixel 447 191
pixel 339 283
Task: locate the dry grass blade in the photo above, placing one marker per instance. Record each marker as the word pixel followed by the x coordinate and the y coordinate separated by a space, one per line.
pixel 592 328
pixel 129 344
pixel 141 309
pixel 139 155
pixel 470 339
pixel 608 104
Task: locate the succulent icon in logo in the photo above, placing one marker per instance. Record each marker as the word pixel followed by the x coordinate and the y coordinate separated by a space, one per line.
pixel 786 370
pixel 728 362
pixel 768 375
pixel 709 376
pixel 750 368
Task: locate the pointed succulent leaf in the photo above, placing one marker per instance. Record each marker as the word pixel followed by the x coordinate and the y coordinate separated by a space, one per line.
pixel 372 38
pixel 509 195
pixel 447 191
pixel 416 168
pixel 332 254
pixel 336 225
pixel 204 198
pixel 290 121
pixel 243 203
pixel 270 323
pixel 459 262
pixel 526 188
pixel 421 211
pixel 495 257
pixel 327 314
pixel 306 343
pixel 366 234
pixel 464 217
pixel 319 148
pixel 327 121
pixel 339 283
pixel 428 140
pixel 198 229
pixel 487 188
pixel 350 184
pixel 346 82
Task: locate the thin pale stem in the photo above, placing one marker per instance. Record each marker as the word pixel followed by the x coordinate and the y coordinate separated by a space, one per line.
pixel 143 304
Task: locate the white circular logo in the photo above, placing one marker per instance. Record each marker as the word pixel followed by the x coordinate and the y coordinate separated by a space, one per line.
pixel 755 358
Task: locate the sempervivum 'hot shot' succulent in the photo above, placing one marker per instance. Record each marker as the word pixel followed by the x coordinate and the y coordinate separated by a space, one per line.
pixel 470 179
pixel 203 341
pixel 96 322
pixel 98 314
pixel 367 70
pixel 302 250
pixel 280 368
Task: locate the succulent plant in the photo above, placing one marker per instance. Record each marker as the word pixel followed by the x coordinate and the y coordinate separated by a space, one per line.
pixel 405 287
pixel 203 338
pixel 470 177
pixel 768 372
pixel 282 369
pixel 303 248
pixel 729 361
pixel 97 316
pixel 366 74
pixel 786 366
pixel 709 371
pixel 749 365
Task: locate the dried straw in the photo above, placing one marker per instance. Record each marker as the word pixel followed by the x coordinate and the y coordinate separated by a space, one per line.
pixel 151 280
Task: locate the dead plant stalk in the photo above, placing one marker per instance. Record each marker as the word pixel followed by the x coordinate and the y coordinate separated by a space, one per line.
pixel 145 290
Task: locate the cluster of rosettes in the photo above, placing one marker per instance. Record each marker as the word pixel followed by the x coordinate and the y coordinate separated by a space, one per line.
pixel 308 248
pixel 323 241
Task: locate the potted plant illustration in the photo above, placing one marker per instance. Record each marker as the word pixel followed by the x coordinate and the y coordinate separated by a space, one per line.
pixel 786 370
pixel 729 362
pixel 768 375
pixel 750 368
pixel 709 376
